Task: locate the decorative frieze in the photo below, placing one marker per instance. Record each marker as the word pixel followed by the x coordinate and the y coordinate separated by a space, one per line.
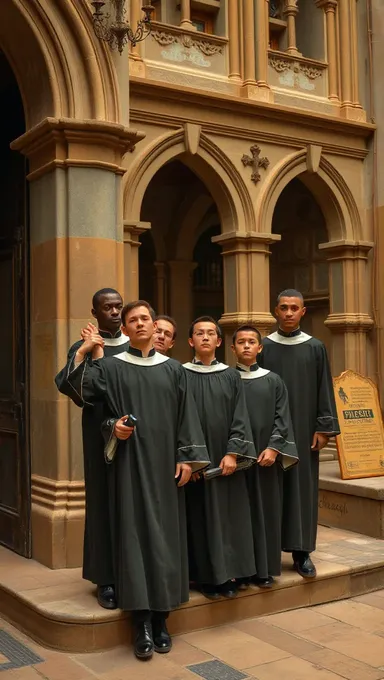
pixel 279 64
pixel 208 48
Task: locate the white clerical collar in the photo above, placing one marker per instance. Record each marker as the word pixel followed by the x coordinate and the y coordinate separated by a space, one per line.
pixel 296 339
pixel 251 372
pixel 154 358
pixel 116 341
pixel 201 368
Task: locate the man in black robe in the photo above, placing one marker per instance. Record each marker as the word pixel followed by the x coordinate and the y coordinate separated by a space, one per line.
pixel 218 513
pixel 148 465
pixel 302 362
pixel 268 409
pixel 165 333
pixel 97 557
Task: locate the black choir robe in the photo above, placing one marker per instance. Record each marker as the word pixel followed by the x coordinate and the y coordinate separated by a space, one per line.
pixel 302 362
pixel 268 409
pixel 147 509
pixel 97 552
pixel 220 535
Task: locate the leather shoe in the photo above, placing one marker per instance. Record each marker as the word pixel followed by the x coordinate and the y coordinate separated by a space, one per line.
pixel 263 582
pixel 210 591
pixel 161 638
pixel 106 597
pixel 143 646
pixel 228 589
pixel 303 564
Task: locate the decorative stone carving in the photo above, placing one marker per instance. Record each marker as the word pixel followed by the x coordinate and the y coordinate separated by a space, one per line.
pixel 280 65
pixel 255 162
pixel 310 71
pixel 187 41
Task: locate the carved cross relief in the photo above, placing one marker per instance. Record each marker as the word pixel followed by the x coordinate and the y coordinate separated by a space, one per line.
pixel 255 162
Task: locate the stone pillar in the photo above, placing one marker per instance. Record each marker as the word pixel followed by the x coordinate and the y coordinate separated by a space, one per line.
pixel 234 41
pixel 132 231
pixel 355 59
pixel 246 271
pixel 250 85
pixel 76 247
pixel 161 281
pixel 348 46
pixel 329 7
pixel 290 12
pixel 136 64
pixel 262 40
pixel 185 18
pixel 181 303
pixel 349 318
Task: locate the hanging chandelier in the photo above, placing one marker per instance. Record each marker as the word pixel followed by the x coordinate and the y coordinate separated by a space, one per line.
pixel 115 30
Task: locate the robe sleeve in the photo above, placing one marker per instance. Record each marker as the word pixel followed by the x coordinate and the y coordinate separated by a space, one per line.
pixel 89 382
pixel 240 441
pixel 326 422
pixel 191 446
pixel 282 439
pixel 62 382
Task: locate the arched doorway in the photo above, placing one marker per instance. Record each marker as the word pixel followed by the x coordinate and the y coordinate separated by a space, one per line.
pixel 186 280
pixel 296 261
pixel 14 429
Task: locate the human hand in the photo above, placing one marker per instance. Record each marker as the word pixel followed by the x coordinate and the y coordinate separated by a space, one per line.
pixel 228 464
pixel 267 457
pixel 184 471
pixel 319 441
pixel 121 431
pixel 92 340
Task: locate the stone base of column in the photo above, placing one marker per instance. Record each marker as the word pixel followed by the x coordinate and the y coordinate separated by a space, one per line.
pixel 256 92
pixel 351 112
pixel 58 510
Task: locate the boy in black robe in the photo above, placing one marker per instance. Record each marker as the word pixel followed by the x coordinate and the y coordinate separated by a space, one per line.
pixel 302 362
pixel 165 333
pixel 97 556
pixel 268 409
pixel 148 465
pixel 219 520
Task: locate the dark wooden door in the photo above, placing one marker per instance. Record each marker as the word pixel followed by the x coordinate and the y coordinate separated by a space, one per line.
pixel 14 450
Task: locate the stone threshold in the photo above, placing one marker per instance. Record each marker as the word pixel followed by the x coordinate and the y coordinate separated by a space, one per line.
pixel 59 610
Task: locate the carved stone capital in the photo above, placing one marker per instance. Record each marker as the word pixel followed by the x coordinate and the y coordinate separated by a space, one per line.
pixel 132 231
pixel 346 249
pixel 237 242
pixel 327 5
pixel 349 322
pixel 264 321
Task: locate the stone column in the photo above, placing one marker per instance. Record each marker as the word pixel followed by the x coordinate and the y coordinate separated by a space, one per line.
pixel 246 282
pixel 346 65
pixel 161 281
pixel 181 303
pixel 262 40
pixel 185 15
pixel 355 60
pixel 132 231
pixel 349 318
pixel 329 7
pixel 234 40
pixel 136 64
pixel 249 38
pixel 76 247
pixel 290 12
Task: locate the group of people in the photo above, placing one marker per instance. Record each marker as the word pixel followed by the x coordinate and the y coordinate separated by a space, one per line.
pixel 197 474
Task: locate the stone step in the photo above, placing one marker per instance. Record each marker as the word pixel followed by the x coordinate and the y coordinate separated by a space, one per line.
pixel 355 505
pixel 59 610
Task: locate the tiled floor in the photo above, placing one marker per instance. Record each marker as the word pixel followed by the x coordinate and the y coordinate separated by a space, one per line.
pixel 328 642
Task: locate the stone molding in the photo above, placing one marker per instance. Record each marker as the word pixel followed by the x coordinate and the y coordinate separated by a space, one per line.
pixel 58 498
pixel 66 142
pixel 349 322
pixel 166 34
pixel 264 321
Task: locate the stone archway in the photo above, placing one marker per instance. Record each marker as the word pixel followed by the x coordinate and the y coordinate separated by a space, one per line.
pixel 346 250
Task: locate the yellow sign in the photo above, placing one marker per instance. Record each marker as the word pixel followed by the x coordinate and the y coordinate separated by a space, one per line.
pixel 361 443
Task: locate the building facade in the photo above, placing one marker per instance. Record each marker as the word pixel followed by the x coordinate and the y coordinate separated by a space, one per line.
pixel 236 151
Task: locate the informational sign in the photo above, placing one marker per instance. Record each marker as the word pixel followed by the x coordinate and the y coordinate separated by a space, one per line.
pixel 361 443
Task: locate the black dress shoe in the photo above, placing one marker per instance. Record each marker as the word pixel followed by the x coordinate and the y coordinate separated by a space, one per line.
pixel 210 591
pixel 228 589
pixel 303 564
pixel 263 582
pixel 143 646
pixel 161 638
pixel 106 597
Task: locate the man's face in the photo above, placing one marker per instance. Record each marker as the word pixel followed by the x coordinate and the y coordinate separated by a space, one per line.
pixel 289 313
pixel 163 339
pixel 139 326
pixel 108 312
pixel 205 339
pixel 247 347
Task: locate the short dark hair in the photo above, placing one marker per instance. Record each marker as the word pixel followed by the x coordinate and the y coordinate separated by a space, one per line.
pixel 210 319
pixel 136 303
pixel 165 317
pixel 101 292
pixel 247 327
pixel 290 292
